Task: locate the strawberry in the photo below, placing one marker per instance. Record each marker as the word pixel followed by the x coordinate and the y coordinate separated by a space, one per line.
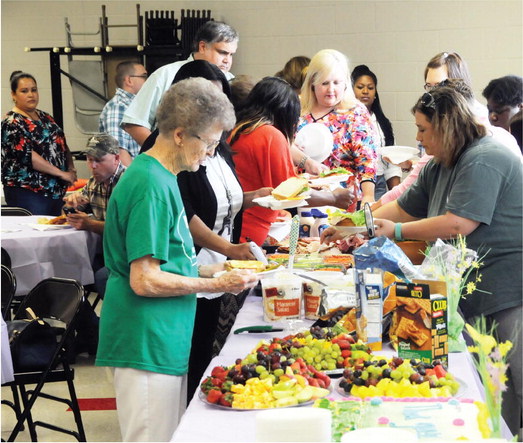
pixel 439 371
pixel 346 353
pixel 206 385
pixel 214 396
pixel 220 372
pixel 226 399
pixel 344 344
pixel 218 382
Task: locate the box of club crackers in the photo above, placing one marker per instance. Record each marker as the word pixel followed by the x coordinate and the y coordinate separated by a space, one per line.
pixel 420 320
pixel 369 288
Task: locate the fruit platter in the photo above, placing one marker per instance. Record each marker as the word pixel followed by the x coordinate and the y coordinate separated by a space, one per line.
pixel 399 378
pixel 248 386
pixel 294 371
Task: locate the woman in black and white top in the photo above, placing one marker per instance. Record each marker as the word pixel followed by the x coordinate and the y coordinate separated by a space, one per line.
pixel 213 200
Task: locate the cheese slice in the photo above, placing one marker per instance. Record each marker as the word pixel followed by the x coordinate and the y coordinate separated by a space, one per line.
pixel 290 188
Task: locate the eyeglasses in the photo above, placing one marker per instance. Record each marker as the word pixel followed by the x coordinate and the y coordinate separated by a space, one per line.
pixel 430 86
pixel 427 100
pixel 211 145
pixel 140 76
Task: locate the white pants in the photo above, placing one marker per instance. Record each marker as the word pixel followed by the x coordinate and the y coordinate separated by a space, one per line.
pixel 150 405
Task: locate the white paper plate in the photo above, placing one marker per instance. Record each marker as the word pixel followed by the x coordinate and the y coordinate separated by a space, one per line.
pixel 398 154
pixel 316 141
pixel 42 227
pixel 331 179
pixel 272 203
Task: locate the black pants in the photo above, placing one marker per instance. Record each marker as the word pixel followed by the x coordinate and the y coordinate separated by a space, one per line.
pixel 205 324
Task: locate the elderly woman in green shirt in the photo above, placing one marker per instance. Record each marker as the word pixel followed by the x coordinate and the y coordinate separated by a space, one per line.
pixel 148 313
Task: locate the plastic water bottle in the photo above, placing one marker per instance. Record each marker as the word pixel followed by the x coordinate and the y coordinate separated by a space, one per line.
pixel 306 224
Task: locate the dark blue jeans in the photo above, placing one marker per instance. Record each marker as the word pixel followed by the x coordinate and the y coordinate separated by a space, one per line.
pixel 381 187
pixel 38 204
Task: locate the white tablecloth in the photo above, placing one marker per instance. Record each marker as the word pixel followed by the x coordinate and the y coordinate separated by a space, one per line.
pixel 37 255
pixel 205 423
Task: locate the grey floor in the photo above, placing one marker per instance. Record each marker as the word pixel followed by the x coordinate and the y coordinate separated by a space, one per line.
pixel 90 382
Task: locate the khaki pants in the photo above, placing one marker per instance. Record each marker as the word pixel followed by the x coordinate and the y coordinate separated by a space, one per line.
pixel 150 405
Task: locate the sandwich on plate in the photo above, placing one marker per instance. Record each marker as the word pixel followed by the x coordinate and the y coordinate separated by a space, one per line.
pixel 339 217
pixel 291 189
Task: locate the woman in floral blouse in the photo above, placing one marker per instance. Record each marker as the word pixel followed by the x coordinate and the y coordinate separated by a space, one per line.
pixel 327 97
pixel 37 165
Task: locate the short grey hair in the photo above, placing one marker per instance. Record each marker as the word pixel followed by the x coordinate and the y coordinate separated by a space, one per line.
pixel 194 104
pixel 214 32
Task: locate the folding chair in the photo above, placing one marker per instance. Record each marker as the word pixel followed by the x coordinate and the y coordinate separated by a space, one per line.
pixel 56 300
pixel 8 291
pixel 14 211
pixel 6 258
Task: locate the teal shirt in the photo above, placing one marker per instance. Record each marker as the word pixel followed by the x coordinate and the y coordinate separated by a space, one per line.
pixel 146 217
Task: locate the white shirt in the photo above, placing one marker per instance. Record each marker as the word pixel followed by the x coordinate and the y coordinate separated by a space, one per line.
pixel 221 178
pixel 142 110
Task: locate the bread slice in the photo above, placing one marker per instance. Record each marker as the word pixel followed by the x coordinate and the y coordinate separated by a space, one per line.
pixel 290 188
pixel 255 265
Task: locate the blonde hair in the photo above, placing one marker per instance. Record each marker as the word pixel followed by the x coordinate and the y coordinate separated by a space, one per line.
pixel 321 66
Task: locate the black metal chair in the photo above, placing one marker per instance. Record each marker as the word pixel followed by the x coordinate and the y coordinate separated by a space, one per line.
pixel 13 211
pixel 56 300
pixel 8 291
pixel 6 258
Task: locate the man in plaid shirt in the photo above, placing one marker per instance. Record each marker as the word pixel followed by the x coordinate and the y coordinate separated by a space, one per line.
pixel 103 158
pixel 130 77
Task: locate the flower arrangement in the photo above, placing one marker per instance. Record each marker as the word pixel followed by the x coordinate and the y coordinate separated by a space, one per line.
pixel 454 264
pixel 490 359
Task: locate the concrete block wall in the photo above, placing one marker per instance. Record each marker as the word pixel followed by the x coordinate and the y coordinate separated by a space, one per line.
pixel 395 38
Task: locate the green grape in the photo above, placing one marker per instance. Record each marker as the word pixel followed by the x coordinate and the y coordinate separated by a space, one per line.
pixel 335 354
pixel 318 358
pixel 260 369
pixel 279 372
pixel 395 374
pixel 364 375
pixel 264 375
pixel 336 347
pixel 331 366
pixel 324 364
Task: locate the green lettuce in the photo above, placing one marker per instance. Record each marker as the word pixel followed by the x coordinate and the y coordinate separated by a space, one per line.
pixel 358 217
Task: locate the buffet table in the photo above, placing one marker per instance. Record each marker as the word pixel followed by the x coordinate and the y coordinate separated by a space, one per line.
pixel 202 422
pixel 39 254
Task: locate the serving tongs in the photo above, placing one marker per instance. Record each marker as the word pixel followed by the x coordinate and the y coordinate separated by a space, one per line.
pixel 369 221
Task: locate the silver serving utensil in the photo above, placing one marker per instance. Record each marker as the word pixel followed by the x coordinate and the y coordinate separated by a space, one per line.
pixel 309 278
pixel 369 221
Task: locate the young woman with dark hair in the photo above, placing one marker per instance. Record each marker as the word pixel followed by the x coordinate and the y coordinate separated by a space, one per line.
pixel 261 142
pixel 365 85
pixel 37 165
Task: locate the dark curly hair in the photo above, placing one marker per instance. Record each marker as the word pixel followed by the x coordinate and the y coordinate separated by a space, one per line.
pixel 505 91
